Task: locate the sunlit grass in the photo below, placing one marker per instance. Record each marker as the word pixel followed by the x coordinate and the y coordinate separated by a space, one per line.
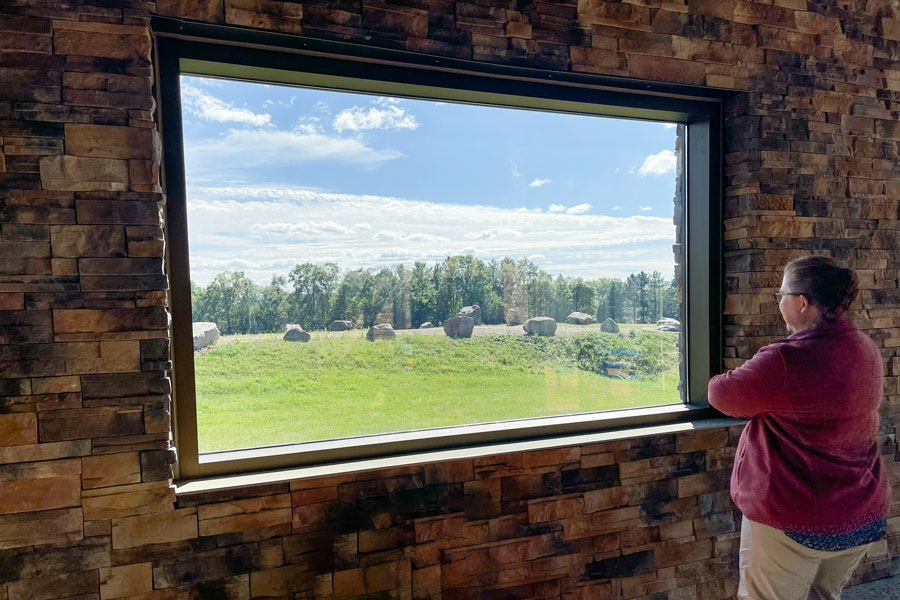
pixel 264 391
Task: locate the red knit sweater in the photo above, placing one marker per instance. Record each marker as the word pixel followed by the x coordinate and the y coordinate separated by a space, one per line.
pixel 808 459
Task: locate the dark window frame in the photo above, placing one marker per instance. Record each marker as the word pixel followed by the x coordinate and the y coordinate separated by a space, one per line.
pixel 253 55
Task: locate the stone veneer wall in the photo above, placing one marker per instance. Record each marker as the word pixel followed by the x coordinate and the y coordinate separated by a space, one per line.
pixel 86 507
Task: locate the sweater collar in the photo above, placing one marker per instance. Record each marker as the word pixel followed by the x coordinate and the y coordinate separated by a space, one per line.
pixel 827 328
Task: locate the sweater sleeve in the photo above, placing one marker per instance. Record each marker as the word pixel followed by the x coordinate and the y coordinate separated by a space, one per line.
pixel 753 388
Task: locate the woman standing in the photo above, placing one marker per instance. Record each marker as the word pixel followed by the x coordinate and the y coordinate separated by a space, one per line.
pixel 807 476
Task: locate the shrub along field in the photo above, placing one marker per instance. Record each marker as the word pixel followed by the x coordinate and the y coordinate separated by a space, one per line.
pixel 266 391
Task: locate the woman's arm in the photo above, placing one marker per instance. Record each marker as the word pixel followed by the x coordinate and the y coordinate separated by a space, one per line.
pixel 751 389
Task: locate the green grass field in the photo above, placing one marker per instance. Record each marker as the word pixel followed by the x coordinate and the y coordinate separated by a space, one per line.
pixel 264 391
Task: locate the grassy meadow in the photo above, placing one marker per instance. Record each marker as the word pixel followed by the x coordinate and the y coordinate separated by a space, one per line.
pixel 262 391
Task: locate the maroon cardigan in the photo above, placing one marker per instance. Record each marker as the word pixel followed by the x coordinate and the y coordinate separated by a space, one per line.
pixel 808 459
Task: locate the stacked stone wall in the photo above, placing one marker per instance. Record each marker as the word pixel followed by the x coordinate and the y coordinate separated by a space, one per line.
pixel 87 509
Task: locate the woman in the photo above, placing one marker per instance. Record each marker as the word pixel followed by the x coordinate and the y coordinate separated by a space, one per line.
pixel 807 476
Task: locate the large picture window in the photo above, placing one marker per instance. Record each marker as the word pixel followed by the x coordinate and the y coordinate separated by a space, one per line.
pixel 373 258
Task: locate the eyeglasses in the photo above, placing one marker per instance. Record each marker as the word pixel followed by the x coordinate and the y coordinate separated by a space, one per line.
pixel 779 295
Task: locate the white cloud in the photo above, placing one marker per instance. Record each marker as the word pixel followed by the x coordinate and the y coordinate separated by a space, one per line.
pixel 265 230
pixel 538 182
pixel 555 208
pixel 670 125
pixel 513 165
pixel 204 105
pixel 644 208
pixel 387 114
pixel 239 149
pixel 658 164
pixel 578 209
pixel 617 207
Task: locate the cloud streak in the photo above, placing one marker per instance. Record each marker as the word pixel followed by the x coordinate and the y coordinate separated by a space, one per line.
pixel 207 107
pixel 658 164
pixel 268 229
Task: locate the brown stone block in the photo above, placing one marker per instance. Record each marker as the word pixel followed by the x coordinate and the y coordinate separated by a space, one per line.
pixel 243 522
pixel 172 526
pixel 31 146
pixel 280 582
pixel 614 14
pixel 44 493
pixel 76 241
pixel 56 385
pixel 113 211
pixel 666 69
pixel 702 439
pixel 157 417
pixel 111 469
pixel 672 554
pixel 156 465
pixel 18 429
pixel 45 527
pixel 519 29
pixel 597 57
pixel 121 266
pixel 45 451
pixel 115 357
pixel 127 500
pixel 80 423
pixel 97 528
pixel 59 585
pixel 211 11
pixel 61 267
pixel 125 581
pixel 100 39
pixel 108 141
pixel 25 266
pixel 76 173
pixel 132 384
pixel 96 321
pixel 265 14
pixel 25 249
pixel 144 173
pixel 12 301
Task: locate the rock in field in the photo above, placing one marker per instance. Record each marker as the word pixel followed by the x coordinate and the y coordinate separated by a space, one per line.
pixel 382 331
pixel 296 334
pixel 545 326
pixel 514 316
pixel 609 326
pixel 473 311
pixel 667 324
pixel 427 325
pixel 459 327
pixel 205 334
pixel 340 325
pixel 579 318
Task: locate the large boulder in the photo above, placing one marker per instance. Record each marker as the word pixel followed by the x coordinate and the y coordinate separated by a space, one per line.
pixel 514 316
pixel 427 325
pixel 382 331
pixel 459 327
pixel 340 325
pixel 205 334
pixel 609 326
pixel 667 324
pixel 473 311
pixel 545 326
pixel 579 318
pixel 295 334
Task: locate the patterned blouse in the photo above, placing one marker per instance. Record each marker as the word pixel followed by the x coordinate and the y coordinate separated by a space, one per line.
pixel 832 542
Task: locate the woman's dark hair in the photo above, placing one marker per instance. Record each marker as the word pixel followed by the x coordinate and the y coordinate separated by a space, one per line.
pixel 828 285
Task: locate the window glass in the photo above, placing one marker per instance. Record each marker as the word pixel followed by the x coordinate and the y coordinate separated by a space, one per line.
pixel 375 264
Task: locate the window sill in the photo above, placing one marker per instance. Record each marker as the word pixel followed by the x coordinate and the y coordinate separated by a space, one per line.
pixel 697 418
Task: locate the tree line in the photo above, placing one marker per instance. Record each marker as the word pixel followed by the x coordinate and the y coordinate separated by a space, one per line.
pixel 314 295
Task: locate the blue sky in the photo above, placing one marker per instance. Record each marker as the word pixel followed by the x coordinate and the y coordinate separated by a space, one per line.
pixel 278 175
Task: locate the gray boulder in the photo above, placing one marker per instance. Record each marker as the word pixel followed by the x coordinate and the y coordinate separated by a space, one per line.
pixel 459 327
pixel 667 324
pixel 382 331
pixel 514 316
pixel 579 318
pixel 473 311
pixel 545 326
pixel 427 325
pixel 205 334
pixel 609 326
pixel 340 325
pixel 296 334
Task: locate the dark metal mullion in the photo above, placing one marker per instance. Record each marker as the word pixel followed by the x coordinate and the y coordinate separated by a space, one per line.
pixel 178 259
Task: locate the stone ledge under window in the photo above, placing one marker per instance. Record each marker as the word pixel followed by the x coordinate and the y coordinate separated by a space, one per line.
pixel 229 482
